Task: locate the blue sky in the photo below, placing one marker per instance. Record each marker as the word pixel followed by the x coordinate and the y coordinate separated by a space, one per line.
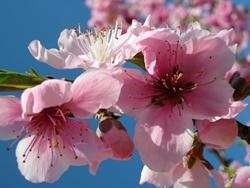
pixel 24 21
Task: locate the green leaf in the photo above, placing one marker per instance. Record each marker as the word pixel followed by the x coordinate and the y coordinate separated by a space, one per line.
pixel 14 81
pixel 138 60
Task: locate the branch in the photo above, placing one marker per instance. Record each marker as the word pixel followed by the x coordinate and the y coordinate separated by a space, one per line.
pixel 243 131
pixel 220 155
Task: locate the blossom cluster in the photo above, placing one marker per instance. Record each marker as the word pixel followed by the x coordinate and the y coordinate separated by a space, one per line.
pixel 185 94
pixel 212 14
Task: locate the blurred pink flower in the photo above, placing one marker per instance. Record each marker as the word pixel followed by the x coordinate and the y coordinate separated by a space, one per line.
pixel 200 2
pixel 225 16
pixel 50 139
pixel 105 13
pixel 157 9
pixel 242 178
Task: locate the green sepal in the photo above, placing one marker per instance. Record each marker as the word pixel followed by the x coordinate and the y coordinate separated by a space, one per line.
pixel 231 174
pixel 138 60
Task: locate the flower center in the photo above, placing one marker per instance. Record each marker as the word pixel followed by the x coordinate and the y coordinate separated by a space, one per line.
pixel 53 118
pixel 172 88
pixel 49 132
pixel 98 46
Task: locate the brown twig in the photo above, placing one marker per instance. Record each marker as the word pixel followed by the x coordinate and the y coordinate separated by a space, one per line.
pixel 220 155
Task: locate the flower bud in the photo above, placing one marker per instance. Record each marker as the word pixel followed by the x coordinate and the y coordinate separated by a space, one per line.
pixel 115 136
pixel 239 78
pixel 219 134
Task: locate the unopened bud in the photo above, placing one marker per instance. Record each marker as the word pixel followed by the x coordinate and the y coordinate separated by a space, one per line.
pixel 240 82
pixel 115 136
pixel 239 78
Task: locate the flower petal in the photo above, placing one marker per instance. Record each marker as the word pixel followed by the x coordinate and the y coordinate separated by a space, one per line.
pixel 48 94
pixel 157 47
pixel 209 56
pixel 242 178
pixel 219 134
pixel 162 140
pixel 65 57
pixel 89 147
pixel 209 101
pixel 92 91
pixel 39 170
pixel 11 122
pixel 135 94
pixel 159 179
pixel 196 177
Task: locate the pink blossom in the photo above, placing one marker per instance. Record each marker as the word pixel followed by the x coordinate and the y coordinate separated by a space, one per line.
pixel 179 13
pixel 49 139
pixel 242 178
pixel 226 16
pixel 105 13
pixel 200 2
pixel 184 74
pixel 156 8
pixel 91 50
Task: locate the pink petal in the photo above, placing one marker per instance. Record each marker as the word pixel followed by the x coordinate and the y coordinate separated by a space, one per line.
pixel 196 177
pixel 209 101
pixel 92 91
pixel 48 94
pixel 135 94
pixel 11 122
pixel 209 56
pixel 162 140
pixel 115 136
pixel 235 108
pixel 194 31
pixel 40 170
pixel 157 49
pixel 219 134
pixel 90 148
pixel 242 179
pixel 65 57
pixel 159 179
